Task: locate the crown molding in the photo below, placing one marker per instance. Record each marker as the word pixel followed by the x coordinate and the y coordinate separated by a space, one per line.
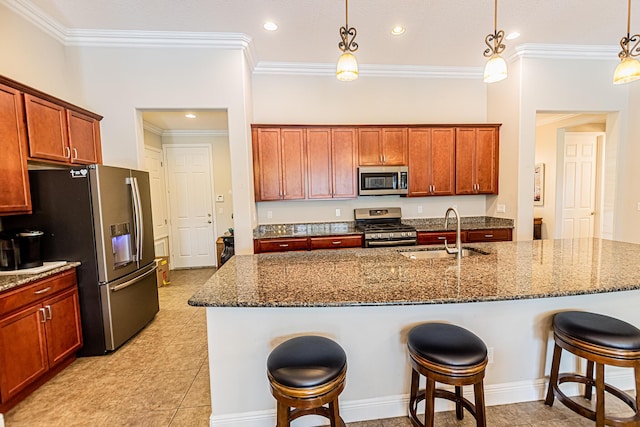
pixel 565 51
pixel 369 70
pixel 152 128
pixel 26 10
pixel 194 133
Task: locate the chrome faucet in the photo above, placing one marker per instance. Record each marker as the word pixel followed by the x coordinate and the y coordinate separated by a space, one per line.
pixel 458 249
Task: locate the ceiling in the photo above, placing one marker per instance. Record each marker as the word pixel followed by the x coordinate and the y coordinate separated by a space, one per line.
pixel 207 120
pixel 439 32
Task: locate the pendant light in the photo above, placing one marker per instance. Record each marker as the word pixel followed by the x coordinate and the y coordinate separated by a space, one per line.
pixel 347 68
pixel 629 69
pixel 496 67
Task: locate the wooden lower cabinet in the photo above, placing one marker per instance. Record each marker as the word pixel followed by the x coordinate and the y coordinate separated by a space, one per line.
pixel 40 331
pixel 438 237
pixel 492 235
pixel 333 242
pixel 307 243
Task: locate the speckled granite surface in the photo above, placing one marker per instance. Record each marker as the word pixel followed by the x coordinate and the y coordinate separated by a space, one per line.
pixel 271 231
pixel 383 276
pixel 14 280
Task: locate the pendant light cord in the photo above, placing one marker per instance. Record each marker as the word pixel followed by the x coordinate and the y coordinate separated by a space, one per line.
pixel 346 14
pixel 495 16
pixel 629 19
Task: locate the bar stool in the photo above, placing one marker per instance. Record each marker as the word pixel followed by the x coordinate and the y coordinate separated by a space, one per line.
pixel 601 340
pixel 306 373
pixel 450 355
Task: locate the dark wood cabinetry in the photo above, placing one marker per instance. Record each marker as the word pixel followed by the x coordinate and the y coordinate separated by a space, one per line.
pixel 84 138
pixel 466 236
pixel 307 243
pixel 14 191
pixel 278 163
pixel 438 237
pixel 40 331
pixel 431 161
pixel 382 146
pixel 331 163
pixel 477 160
pixel 492 235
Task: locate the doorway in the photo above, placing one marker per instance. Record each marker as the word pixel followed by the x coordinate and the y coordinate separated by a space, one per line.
pixel 189 153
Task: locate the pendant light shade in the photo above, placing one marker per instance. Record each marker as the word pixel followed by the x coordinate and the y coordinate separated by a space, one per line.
pixel 347 68
pixel 629 69
pixel 496 67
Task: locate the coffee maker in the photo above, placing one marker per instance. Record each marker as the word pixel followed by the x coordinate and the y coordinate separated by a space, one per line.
pixel 20 249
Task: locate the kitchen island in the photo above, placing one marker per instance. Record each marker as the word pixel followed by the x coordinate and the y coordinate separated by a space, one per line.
pixel 368 299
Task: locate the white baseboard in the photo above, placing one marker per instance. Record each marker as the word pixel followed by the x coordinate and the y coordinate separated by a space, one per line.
pixel 397 406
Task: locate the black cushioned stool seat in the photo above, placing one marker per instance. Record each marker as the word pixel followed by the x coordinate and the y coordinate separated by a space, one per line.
pixel 450 355
pixel 601 340
pixel 305 373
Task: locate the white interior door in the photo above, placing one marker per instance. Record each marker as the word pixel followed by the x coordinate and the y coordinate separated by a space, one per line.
pixel 189 176
pixel 155 167
pixel 578 202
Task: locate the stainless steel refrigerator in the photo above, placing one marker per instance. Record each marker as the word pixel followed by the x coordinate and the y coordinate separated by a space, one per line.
pixel 101 216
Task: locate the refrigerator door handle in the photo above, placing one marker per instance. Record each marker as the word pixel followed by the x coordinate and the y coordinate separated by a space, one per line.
pixel 140 220
pixel 137 217
pixel 133 281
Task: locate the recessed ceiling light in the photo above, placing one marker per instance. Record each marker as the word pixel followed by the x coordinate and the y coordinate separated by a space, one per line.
pixel 513 35
pixel 190 116
pixel 270 26
pixel 397 30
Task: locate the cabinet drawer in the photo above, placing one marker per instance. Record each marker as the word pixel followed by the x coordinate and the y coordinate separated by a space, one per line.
pixel 437 238
pixel 496 235
pixel 29 294
pixel 282 245
pixel 335 242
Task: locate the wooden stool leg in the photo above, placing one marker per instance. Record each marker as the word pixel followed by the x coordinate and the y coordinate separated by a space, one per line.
pixel 459 408
pixel 481 415
pixel 282 415
pixel 588 390
pixel 415 383
pixel 553 378
pixel 429 402
pixel 334 414
pixel 599 395
pixel 636 370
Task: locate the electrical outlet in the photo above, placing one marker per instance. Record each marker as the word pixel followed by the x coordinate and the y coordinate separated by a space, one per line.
pixel 337 212
pixel 419 208
pixel 269 214
pixel 501 208
pixel 490 354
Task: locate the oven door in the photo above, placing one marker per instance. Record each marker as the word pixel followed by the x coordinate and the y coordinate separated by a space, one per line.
pixel 380 243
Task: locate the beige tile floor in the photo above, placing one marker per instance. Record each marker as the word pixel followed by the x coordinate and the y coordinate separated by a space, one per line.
pixel 161 378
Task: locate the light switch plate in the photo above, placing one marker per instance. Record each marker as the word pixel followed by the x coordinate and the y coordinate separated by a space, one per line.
pixel 337 212
pixel 638 206
pixel 269 214
pixel 419 208
pixel 501 208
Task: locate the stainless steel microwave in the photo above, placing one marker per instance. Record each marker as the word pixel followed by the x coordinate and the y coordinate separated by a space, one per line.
pixel 383 180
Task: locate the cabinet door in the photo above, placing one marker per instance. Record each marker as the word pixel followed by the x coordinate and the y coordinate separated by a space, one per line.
pixel 14 191
pixel 282 245
pixel 47 128
pixel 443 161
pixel 369 146
pixel 487 161
pixel 293 167
pixel 490 235
pixel 64 331
pixel 344 163
pixel 419 147
pixel 319 161
pixel 335 242
pixel 23 350
pixel 84 138
pixel 266 161
pixel 465 160
pixel 394 146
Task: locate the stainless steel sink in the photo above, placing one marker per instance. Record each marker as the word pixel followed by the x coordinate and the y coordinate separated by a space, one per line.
pixel 440 253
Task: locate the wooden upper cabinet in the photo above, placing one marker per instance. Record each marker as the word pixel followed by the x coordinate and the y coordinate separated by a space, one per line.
pixel 431 161
pixel 382 146
pixel 47 128
pixel 14 191
pixel 84 138
pixel 477 160
pixel 61 135
pixel 278 162
pixel 331 163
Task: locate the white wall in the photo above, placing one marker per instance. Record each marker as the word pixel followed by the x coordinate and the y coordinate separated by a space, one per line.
pixel 627 214
pixel 121 81
pixel 368 100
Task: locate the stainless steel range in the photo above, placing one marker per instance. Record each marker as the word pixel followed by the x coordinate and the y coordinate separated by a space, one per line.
pixel 384 227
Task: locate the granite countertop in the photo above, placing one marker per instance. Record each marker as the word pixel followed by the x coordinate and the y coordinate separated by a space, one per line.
pixel 272 231
pixel 11 281
pixel 383 276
